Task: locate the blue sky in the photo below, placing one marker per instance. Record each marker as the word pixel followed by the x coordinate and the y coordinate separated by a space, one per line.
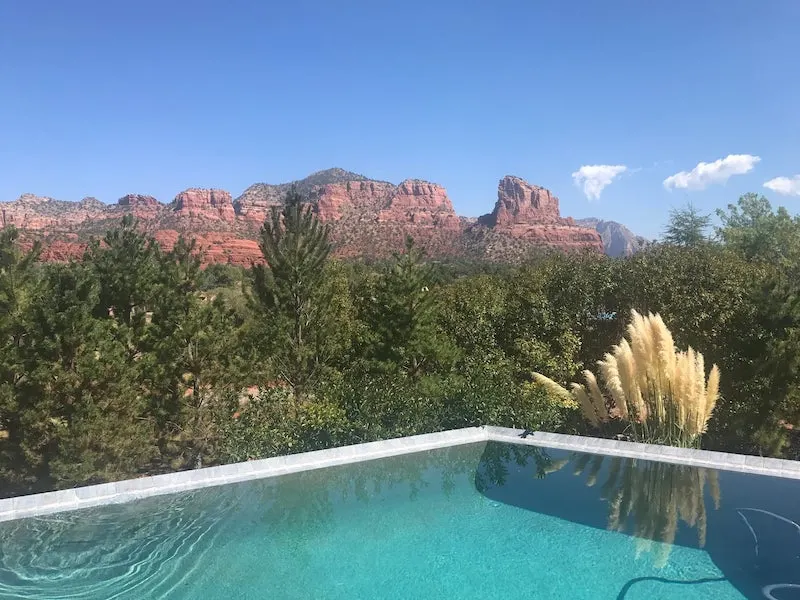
pixel 106 98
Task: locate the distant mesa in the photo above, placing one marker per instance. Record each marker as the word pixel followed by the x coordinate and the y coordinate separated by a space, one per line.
pixel 369 218
pixel 531 213
pixel 138 201
pixel 198 203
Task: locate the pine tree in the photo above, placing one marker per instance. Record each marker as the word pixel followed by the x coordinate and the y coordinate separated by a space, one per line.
pixel 77 409
pixel 291 292
pixel 16 289
pixel 127 268
pixel 687 227
pixel 403 313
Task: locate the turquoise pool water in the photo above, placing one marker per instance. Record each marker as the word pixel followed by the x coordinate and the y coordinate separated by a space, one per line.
pixel 474 521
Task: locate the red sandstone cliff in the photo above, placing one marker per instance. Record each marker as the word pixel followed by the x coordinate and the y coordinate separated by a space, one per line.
pixel 531 213
pixel 214 205
pixel 518 202
pixel 422 204
pixel 36 213
pixel 368 218
pixel 363 199
pixel 142 207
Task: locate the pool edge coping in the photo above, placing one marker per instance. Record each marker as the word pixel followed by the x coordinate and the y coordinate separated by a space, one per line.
pixel 34 505
pixel 724 461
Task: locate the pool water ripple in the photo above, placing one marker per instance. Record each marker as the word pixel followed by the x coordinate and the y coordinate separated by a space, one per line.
pixel 143 550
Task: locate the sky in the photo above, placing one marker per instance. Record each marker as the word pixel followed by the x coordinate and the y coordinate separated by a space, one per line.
pixel 624 109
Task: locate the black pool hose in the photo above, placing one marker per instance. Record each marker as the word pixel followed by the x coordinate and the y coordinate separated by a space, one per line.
pixel 626 588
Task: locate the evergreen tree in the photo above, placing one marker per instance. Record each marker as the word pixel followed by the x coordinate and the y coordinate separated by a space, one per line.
pixel 402 315
pixel 77 411
pixel 687 227
pixel 127 268
pixel 16 282
pixel 290 291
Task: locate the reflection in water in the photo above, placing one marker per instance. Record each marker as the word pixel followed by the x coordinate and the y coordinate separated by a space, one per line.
pixel 496 458
pixel 649 499
pixel 646 499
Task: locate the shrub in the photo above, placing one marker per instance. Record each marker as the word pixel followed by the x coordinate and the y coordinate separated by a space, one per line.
pixel 276 423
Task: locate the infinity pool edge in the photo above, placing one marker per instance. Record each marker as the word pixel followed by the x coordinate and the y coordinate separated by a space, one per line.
pixel 133 489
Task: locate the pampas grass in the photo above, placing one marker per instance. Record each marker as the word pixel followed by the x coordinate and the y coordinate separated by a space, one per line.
pixel 661 392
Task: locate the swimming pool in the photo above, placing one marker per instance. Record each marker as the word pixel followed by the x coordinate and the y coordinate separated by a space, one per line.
pixel 475 520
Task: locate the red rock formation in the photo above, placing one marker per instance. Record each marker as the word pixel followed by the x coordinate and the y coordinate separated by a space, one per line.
pixel 368 218
pixel 531 212
pixel 211 205
pixel 519 202
pixel 421 204
pixel 62 251
pixel 256 202
pixel 335 201
pixel 143 207
pixel 35 213
pixel 212 247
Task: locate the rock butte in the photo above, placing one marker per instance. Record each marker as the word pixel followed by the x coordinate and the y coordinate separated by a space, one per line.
pixel 368 219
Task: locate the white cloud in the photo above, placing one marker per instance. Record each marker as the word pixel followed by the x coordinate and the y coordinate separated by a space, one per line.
pixel 786 186
pixel 594 178
pixel 719 171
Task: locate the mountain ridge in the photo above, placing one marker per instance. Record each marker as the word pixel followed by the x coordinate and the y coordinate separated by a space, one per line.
pixel 368 218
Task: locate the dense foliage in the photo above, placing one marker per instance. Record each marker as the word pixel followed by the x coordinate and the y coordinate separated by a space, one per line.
pixel 136 361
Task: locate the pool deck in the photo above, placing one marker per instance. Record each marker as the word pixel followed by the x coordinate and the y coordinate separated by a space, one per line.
pixel 133 489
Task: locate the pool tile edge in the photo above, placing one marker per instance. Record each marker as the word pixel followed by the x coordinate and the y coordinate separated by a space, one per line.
pixel 756 465
pixel 35 505
pixel 134 489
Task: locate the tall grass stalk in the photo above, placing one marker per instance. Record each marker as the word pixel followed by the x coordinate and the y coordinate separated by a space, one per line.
pixel 662 393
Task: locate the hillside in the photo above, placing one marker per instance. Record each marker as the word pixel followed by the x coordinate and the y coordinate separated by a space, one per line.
pixel 368 218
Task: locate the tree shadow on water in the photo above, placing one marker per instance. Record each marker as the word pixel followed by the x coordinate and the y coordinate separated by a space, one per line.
pixel 747 524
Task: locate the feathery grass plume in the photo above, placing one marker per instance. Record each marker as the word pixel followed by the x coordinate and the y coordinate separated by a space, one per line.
pixel 610 374
pixel 589 413
pixel 699 394
pixel 557 390
pixel 712 395
pixel 642 347
pixel 664 344
pixel 596 396
pixel 661 392
pixel 627 375
pixel 679 386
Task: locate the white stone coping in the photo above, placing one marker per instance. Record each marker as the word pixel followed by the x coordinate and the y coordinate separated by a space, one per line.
pixel 757 465
pixel 133 489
